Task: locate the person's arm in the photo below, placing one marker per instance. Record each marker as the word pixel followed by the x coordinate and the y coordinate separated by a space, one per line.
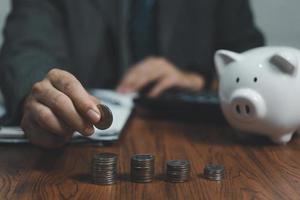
pixel 235 29
pixel 34 43
pixel 163 74
pixel 50 105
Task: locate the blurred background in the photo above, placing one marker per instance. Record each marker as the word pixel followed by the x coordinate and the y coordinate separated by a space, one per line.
pixel 278 19
pixel 4 9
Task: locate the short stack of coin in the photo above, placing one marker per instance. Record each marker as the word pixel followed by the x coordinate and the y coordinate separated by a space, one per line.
pixel 104 168
pixel 214 172
pixel 142 168
pixel 178 171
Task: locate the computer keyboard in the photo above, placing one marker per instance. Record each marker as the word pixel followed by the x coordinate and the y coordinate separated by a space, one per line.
pixel 201 106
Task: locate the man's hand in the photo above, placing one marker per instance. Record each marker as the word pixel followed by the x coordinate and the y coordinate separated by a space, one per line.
pixel 163 73
pixel 56 107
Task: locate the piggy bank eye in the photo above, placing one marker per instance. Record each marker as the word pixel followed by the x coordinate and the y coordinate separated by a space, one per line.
pixel 237 80
pixel 255 79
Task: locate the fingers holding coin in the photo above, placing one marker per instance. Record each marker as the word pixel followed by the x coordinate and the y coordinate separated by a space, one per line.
pixel 106 117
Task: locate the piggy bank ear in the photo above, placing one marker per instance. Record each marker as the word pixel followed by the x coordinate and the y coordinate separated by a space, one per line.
pixel 224 58
pixel 285 63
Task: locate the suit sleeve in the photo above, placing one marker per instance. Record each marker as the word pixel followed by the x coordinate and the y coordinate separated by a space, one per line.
pixel 34 43
pixel 236 30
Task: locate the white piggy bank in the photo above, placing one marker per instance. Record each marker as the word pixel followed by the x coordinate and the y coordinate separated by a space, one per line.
pixel 260 90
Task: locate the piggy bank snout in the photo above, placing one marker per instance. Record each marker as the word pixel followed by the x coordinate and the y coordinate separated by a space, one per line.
pixel 247 105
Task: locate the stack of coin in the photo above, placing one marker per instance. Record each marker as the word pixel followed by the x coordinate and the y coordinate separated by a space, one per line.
pixel 142 168
pixel 104 168
pixel 214 172
pixel 178 171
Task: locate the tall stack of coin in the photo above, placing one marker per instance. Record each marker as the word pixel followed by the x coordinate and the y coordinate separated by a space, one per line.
pixel 214 172
pixel 104 168
pixel 142 168
pixel 178 171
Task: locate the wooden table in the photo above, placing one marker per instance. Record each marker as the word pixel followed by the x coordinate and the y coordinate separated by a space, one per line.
pixel 255 169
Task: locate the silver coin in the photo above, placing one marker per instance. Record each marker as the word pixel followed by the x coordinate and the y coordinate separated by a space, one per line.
pixel 178 171
pixel 142 168
pixel 142 157
pixel 104 168
pixel 214 172
pixel 178 163
pixel 214 168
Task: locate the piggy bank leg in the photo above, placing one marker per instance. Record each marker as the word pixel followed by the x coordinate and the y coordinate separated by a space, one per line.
pixel 282 138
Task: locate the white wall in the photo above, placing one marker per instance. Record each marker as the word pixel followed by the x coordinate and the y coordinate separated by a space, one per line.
pixel 279 20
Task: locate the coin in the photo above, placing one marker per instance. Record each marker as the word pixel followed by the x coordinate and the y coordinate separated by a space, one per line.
pixel 178 171
pixel 214 172
pixel 104 168
pixel 142 168
pixel 106 117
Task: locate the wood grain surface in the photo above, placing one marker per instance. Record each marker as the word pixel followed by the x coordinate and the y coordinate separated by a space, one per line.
pixel 255 168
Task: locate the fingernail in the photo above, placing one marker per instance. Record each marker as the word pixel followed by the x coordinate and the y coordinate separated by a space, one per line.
pixel 89 130
pixel 93 115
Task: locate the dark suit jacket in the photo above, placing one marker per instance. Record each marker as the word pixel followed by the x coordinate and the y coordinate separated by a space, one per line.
pixel 90 39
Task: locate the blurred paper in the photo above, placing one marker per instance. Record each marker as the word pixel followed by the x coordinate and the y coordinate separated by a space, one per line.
pixel 121 106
